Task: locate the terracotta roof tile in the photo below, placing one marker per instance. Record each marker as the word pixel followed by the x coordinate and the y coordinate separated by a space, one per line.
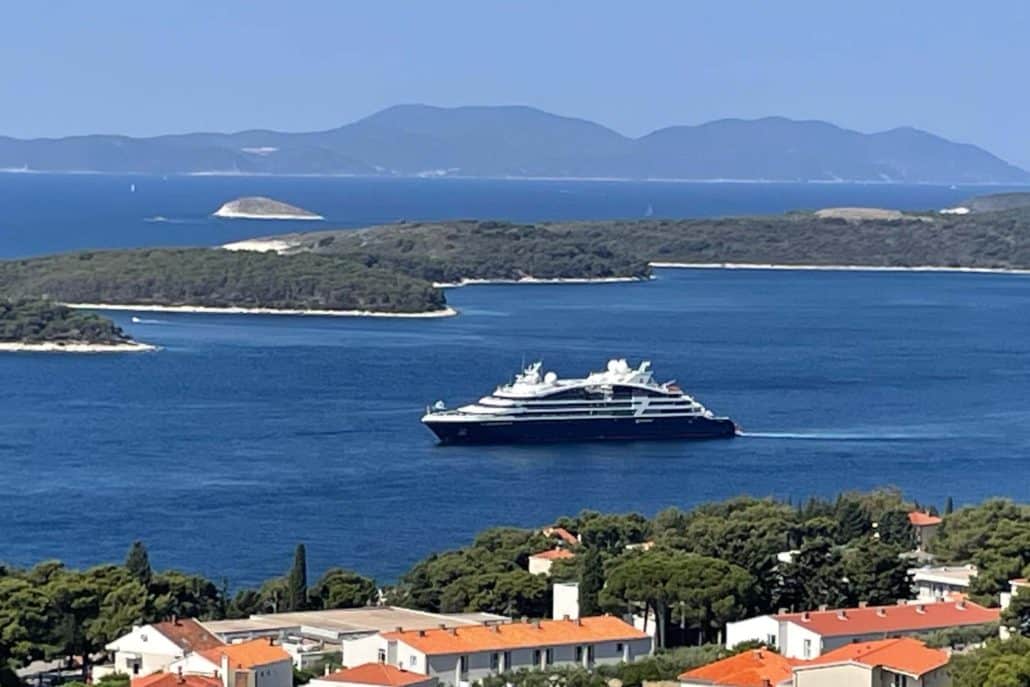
pixel 175 680
pixel 893 619
pixel 256 652
pixel 903 655
pixel 746 669
pixel 554 554
pixel 563 534
pixel 920 519
pixel 500 637
pixel 376 674
pixel 188 634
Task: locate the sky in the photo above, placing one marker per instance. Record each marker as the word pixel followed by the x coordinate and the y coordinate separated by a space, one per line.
pixel 142 68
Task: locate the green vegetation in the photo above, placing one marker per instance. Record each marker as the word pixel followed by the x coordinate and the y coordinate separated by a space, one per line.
pixel 997 664
pixel 1017 616
pixel 217 278
pixel 39 321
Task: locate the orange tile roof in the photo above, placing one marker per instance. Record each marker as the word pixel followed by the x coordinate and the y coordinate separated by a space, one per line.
pixel 188 634
pixel 746 669
pixel 920 519
pixel 501 637
pixel 175 680
pixel 256 652
pixel 911 617
pixel 562 534
pixel 903 655
pixel 376 674
pixel 554 554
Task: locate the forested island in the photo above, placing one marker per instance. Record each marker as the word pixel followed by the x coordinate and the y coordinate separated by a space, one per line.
pixel 39 325
pixel 694 569
pixel 399 269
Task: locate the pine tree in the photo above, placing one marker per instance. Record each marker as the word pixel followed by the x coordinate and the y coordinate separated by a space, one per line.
pixel 591 582
pixel 137 562
pixel 297 581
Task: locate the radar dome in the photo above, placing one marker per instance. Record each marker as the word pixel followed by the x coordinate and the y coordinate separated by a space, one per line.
pixel 550 378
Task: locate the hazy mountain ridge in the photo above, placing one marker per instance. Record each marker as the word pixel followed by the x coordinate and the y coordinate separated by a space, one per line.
pixel 518 141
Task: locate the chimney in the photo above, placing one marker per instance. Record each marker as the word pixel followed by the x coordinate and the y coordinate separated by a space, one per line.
pixel 579 621
pixel 960 605
pixel 539 625
pixel 525 619
pixel 823 607
pixel 766 682
pixel 180 679
pixel 806 616
pixel 863 604
pixel 421 633
pixel 271 641
pixel 842 614
pixel 881 612
pixel 920 608
pixel 496 628
pixel 454 631
pixel 903 602
pixel 442 626
pixel 782 611
pixel 175 619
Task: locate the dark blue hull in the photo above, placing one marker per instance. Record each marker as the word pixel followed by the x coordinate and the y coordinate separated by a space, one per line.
pixel 600 429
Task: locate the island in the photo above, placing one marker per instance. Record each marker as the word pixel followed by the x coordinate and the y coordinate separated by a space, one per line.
pixel 403 270
pixel 260 207
pixel 40 325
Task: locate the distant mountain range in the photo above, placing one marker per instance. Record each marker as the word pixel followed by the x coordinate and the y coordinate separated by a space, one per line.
pixel 418 140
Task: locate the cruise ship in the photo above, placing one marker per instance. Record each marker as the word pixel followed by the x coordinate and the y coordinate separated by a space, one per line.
pixel 619 403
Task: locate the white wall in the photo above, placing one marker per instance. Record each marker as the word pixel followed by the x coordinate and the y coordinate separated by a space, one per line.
pixel 278 674
pixel 565 602
pixel 362 650
pixel 540 566
pixel 843 675
pixel 794 638
pixel 143 650
pixel 762 628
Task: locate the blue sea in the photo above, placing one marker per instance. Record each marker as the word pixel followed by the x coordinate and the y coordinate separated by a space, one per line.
pixel 245 435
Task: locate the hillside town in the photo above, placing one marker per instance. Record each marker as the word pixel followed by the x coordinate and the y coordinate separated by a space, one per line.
pixel 623 594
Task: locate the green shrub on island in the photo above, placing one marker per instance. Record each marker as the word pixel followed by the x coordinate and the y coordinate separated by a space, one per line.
pixel 39 321
pixel 217 278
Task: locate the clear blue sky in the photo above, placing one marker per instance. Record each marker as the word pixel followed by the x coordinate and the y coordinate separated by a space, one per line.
pixel 955 68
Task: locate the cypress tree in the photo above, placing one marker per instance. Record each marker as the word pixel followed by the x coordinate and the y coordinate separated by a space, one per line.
pixel 591 583
pixel 949 506
pixel 297 581
pixel 137 561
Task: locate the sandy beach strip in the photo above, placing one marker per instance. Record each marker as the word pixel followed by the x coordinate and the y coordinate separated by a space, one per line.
pixel 198 309
pixel 52 347
pixel 832 268
pixel 536 280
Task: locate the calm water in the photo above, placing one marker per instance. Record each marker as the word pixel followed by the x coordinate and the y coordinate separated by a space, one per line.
pixel 247 434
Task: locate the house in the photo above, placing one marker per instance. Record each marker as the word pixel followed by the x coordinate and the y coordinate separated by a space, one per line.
pixel 942 583
pixel 755 668
pixel 458 656
pixel 925 526
pixel 540 563
pixel 255 663
pixel 152 648
pixel 175 680
pixel 810 634
pixel 904 662
pixel 568 538
pixel 1006 598
pixel 373 675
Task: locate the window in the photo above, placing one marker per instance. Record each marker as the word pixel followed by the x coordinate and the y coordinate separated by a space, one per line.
pixel 495 661
pixel 382 655
pixel 590 654
pixel 463 665
pixel 619 647
pixel 770 640
pixel 549 657
pixel 899 681
pixel 579 654
pixel 536 658
pixel 807 651
pixel 507 660
pixel 412 661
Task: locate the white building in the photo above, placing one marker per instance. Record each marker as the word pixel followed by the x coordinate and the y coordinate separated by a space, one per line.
pixel 886 663
pixel 152 648
pixel 255 663
pixel 541 563
pixel 941 583
pixel 459 656
pixel 810 634
pixel 1015 586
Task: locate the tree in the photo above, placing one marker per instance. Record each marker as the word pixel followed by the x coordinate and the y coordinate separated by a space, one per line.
pixel 876 574
pixel 591 582
pixel 26 618
pixel 297 581
pixel 1017 616
pixel 137 562
pixel 853 520
pixel 187 596
pixel 339 588
pixel 997 664
pixel 814 577
pixel 894 528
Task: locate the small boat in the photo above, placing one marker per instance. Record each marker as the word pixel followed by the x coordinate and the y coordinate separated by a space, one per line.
pixel 618 403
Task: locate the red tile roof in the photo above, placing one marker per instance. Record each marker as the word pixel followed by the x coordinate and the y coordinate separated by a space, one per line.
pixel 188 634
pixel 904 655
pixel 175 680
pixel 554 554
pixel 256 652
pixel 562 534
pixel 501 637
pixel 911 617
pixel 920 519
pixel 376 674
pixel 746 669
